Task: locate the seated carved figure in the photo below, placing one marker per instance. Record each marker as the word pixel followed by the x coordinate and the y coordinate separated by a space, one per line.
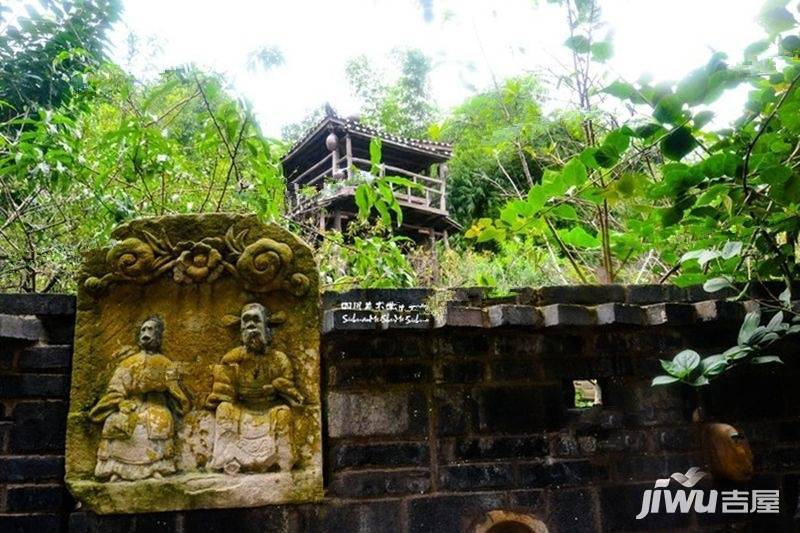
pixel 253 389
pixel 137 411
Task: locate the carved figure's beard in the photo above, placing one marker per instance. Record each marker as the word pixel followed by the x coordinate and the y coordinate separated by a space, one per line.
pixel 254 340
pixel 149 344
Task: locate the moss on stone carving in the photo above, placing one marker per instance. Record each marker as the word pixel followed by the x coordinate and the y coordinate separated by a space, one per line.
pixel 197 272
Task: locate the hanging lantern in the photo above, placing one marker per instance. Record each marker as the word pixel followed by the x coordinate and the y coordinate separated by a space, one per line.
pixel 331 141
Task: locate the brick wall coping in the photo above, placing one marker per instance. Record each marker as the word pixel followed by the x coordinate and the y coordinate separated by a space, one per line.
pixel 572 305
pixel 421 309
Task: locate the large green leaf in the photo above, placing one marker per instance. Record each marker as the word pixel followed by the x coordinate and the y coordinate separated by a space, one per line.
pixel 764 359
pixel 579 238
pixel 617 140
pixel 363 200
pixel 623 91
pixel 702 118
pixel 375 151
pixel 565 212
pixel 678 143
pixel 536 198
pixel 713 365
pixel 668 110
pixel 717 284
pixel 685 362
pixel 664 380
pixel 731 249
pixel 648 130
pixel 606 156
pixel 574 172
pixel 749 325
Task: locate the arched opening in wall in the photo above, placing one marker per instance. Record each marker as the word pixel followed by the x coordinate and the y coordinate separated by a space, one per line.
pixel 509 526
pixel 499 521
pixel 582 393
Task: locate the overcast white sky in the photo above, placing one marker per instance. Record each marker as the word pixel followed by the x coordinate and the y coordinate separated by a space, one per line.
pixel 465 38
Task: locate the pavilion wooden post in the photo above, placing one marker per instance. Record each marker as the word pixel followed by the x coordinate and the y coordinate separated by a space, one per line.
pixel 442 186
pixel 348 147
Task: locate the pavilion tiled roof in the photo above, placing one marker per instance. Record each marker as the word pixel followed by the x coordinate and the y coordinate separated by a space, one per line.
pixel 354 125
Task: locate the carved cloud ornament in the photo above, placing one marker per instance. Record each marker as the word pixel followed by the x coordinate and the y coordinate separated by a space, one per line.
pixel 262 264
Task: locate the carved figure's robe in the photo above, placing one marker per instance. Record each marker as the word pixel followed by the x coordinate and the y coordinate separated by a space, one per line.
pixel 137 414
pixel 251 396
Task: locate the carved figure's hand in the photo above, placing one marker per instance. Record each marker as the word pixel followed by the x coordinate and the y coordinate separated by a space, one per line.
pixel 282 384
pixel 269 389
pixel 288 390
pixel 128 406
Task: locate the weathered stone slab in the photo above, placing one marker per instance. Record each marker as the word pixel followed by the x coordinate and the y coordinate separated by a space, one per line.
pixel 37 304
pixel 375 413
pixel 616 313
pixel 21 327
pixel 195 378
pixel 513 315
pixel 465 317
pixel 674 314
pixel 567 315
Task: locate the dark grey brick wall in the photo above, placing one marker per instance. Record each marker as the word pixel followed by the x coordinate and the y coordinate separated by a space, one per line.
pixel 35 354
pixel 428 429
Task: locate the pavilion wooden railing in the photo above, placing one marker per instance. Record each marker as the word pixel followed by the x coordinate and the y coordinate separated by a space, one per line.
pixel 428 191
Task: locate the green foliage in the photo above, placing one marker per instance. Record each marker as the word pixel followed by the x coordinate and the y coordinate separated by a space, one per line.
pixel 376 191
pixel 376 260
pixel 571 196
pixel 121 150
pixel 751 349
pixel 686 201
pixel 403 107
pixel 46 55
pixel 497 135
pixel 507 265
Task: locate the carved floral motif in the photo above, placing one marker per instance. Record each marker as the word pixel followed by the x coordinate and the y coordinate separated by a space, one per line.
pixel 198 262
pixel 262 265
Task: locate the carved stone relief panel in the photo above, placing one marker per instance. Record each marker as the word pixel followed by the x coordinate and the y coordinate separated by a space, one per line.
pixel 195 379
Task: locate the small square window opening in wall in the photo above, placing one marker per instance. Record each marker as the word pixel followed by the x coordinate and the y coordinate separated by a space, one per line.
pixel 587 393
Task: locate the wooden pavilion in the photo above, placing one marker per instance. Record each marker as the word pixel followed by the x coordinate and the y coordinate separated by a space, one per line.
pixel 324 168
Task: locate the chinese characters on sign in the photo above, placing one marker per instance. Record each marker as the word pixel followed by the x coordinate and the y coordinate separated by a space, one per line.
pixel 388 313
